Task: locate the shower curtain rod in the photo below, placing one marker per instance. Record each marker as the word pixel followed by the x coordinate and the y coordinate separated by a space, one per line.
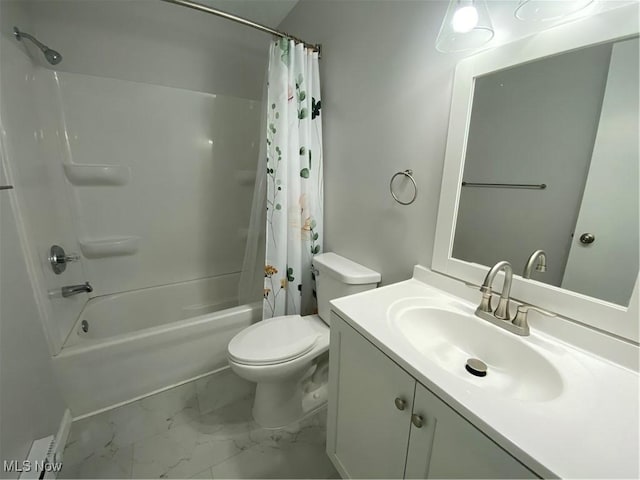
pixel 242 21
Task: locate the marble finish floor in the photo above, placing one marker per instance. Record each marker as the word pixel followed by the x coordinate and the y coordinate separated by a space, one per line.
pixel 203 429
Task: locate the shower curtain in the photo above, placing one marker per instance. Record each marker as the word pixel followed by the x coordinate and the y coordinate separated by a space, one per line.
pixel 294 179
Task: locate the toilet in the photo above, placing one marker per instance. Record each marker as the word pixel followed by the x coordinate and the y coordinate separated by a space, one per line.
pixel 288 356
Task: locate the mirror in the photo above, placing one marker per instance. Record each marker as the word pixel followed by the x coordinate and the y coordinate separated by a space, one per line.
pixel 550 122
pixel 552 163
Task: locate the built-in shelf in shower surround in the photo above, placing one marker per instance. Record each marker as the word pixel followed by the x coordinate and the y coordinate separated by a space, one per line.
pixel 97 175
pixel 109 247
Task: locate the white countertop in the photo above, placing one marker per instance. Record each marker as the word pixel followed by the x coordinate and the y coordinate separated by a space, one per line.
pixel 590 430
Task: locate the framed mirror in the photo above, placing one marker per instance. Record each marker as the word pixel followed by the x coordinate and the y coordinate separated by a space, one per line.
pixel 542 153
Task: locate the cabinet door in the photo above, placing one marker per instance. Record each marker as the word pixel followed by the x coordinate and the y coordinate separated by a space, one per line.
pixel 448 446
pixel 367 433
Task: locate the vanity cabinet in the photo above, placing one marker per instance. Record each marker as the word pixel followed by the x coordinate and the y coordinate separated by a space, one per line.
pixel 382 423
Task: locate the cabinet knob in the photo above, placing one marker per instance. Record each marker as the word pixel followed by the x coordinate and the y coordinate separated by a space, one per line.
pixel 417 420
pixel 400 403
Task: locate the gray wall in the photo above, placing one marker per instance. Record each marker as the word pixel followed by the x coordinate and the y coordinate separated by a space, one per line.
pixel 535 123
pixel 386 96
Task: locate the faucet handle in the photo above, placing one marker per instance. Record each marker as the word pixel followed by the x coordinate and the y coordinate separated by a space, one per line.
pixel 520 320
pixel 58 259
pixel 525 307
pixel 485 303
pixel 487 294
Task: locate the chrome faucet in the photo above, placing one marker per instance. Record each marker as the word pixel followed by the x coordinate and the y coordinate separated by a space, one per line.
pixel 70 290
pixel 539 255
pixel 502 310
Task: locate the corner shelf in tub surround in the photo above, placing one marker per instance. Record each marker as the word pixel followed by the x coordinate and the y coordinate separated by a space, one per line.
pixel 97 175
pixel 109 247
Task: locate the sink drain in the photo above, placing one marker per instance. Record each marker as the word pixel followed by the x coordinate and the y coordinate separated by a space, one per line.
pixel 476 367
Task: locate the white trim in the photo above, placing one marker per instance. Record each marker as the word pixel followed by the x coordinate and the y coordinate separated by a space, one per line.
pixel 611 25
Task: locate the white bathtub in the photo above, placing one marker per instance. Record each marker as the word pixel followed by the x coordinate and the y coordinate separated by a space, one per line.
pixel 142 341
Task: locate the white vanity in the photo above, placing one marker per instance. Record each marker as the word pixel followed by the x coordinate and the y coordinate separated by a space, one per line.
pixel 557 172
pixel 402 404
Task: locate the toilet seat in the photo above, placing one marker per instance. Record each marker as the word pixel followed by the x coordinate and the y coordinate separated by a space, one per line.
pixel 273 341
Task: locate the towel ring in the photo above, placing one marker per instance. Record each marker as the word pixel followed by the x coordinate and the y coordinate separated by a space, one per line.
pixel 409 175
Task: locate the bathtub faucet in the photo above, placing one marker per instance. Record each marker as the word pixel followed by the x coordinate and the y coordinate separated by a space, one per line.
pixel 70 290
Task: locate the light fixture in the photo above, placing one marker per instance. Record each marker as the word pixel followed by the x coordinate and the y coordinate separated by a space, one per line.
pixel 542 10
pixel 466 25
pixel 464 19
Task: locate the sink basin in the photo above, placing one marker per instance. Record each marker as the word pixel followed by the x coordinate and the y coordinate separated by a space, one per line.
pixel 448 335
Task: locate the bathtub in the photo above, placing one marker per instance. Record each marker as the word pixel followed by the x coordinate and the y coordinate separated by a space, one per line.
pixel 142 341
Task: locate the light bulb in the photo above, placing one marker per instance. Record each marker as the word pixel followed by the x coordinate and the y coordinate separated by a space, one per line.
pixel 464 19
pixel 466 26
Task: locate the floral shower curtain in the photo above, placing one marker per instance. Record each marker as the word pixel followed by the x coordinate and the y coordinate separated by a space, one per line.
pixel 294 179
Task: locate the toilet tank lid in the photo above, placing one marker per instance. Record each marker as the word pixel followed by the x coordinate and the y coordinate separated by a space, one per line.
pixel 345 270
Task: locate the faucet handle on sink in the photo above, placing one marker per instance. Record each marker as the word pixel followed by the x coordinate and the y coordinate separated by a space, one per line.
pixel 520 320
pixel 477 286
pixel 487 294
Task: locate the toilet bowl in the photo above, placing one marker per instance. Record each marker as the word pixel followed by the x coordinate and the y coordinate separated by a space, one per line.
pixel 278 354
pixel 287 356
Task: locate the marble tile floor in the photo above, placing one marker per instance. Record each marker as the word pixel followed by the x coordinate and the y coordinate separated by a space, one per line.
pixel 202 429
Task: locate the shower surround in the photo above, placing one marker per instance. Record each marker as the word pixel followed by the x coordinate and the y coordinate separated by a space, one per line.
pixel 166 178
pixel 159 182
pixel 156 183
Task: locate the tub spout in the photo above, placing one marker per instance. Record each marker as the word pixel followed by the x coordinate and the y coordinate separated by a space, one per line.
pixel 70 290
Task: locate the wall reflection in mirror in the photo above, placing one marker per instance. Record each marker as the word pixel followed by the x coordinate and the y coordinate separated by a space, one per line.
pixel 560 138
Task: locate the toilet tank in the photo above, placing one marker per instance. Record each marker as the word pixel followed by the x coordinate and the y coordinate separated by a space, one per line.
pixel 337 277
